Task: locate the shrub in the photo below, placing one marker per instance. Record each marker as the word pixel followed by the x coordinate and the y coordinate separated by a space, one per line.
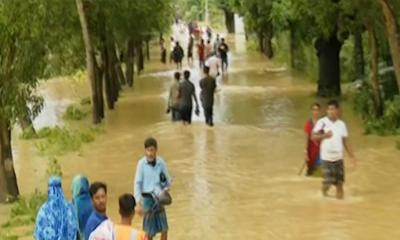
pixel 59 141
pixel 74 113
pixel 85 101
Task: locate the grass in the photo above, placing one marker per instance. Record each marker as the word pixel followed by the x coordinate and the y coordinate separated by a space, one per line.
pixel 74 113
pixel 61 140
pixel 23 213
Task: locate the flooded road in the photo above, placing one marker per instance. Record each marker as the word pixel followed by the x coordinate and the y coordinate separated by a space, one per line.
pixel 239 179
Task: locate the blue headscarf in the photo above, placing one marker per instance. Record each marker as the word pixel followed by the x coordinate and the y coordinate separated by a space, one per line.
pixel 56 219
pixel 81 200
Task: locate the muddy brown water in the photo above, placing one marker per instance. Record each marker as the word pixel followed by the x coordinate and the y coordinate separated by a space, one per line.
pixel 238 179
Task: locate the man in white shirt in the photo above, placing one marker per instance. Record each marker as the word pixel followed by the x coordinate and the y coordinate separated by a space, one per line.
pixel 214 64
pixel 332 132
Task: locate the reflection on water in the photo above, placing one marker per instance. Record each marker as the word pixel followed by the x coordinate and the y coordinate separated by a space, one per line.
pixel 239 179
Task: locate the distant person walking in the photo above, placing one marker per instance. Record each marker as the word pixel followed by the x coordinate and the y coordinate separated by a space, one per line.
pixel 163 50
pixel 178 55
pixel 208 85
pixel 214 64
pixel 173 99
pixel 190 50
pixel 201 50
pixel 217 42
pixel 187 94
pixel 223 50
pixel 208 50
pixel 171 49
pixel 311 150
pixel 334 137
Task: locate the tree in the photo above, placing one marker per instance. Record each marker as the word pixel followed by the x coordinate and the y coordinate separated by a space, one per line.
pixel 90 62
pixel 257 15
pixel 26 43
pixel 393 34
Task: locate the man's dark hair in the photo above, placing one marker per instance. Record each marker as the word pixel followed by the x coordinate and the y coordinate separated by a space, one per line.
pixel 208 41
pixel 334 103
pixel 177 75
pixel 150 142
pixel 177 43
pixel 186 74
pixel 206 70
pixel 222 39
pixel 127 205
pixel 316 105
pixel 95 187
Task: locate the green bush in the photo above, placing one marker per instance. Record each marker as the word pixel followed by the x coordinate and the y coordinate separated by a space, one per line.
pixel 44 132
pixel 388 123
pixel 24 211
pixel 74 113
pixel 29 133
pixel 59 141
pixel 85 101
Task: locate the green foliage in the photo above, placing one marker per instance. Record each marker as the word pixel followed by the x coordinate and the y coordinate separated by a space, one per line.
pixel 388 124
pixel 85 101
pixel 23 213
pixel 74 113
pixel 58 141
pixel 28 133
pixel 61 140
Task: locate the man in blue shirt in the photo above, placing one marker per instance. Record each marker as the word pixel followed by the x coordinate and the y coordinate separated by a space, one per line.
pixel 151 179
pixel 98 193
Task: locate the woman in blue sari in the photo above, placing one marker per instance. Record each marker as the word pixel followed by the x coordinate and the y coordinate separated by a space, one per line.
pixel 56 219
pixel 82 201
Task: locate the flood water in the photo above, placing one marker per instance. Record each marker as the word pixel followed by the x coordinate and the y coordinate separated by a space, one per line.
pixel 238 180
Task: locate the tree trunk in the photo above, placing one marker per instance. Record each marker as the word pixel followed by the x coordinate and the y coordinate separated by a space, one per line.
pixel 392 34
pixel 26 122
pixel 148 49
pixel 107 76
pixel 374 71
pixel 293 46
pixel 229 20
pixel 99 89
pixel 328 51
pixel 90 61
pixel 268 49
pixel 130 63
pixel 260 37
pixel 359 61
pixel 140 57
pixel 118 67
pixel 8 179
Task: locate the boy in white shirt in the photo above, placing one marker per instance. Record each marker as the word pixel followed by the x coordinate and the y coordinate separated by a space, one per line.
pixel 332 132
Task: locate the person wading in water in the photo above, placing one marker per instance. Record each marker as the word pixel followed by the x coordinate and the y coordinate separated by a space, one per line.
pixel 311 150
pixel 152 179
pixel 208 85
pixel 173 100
pixel 187 94
pixel 332 132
